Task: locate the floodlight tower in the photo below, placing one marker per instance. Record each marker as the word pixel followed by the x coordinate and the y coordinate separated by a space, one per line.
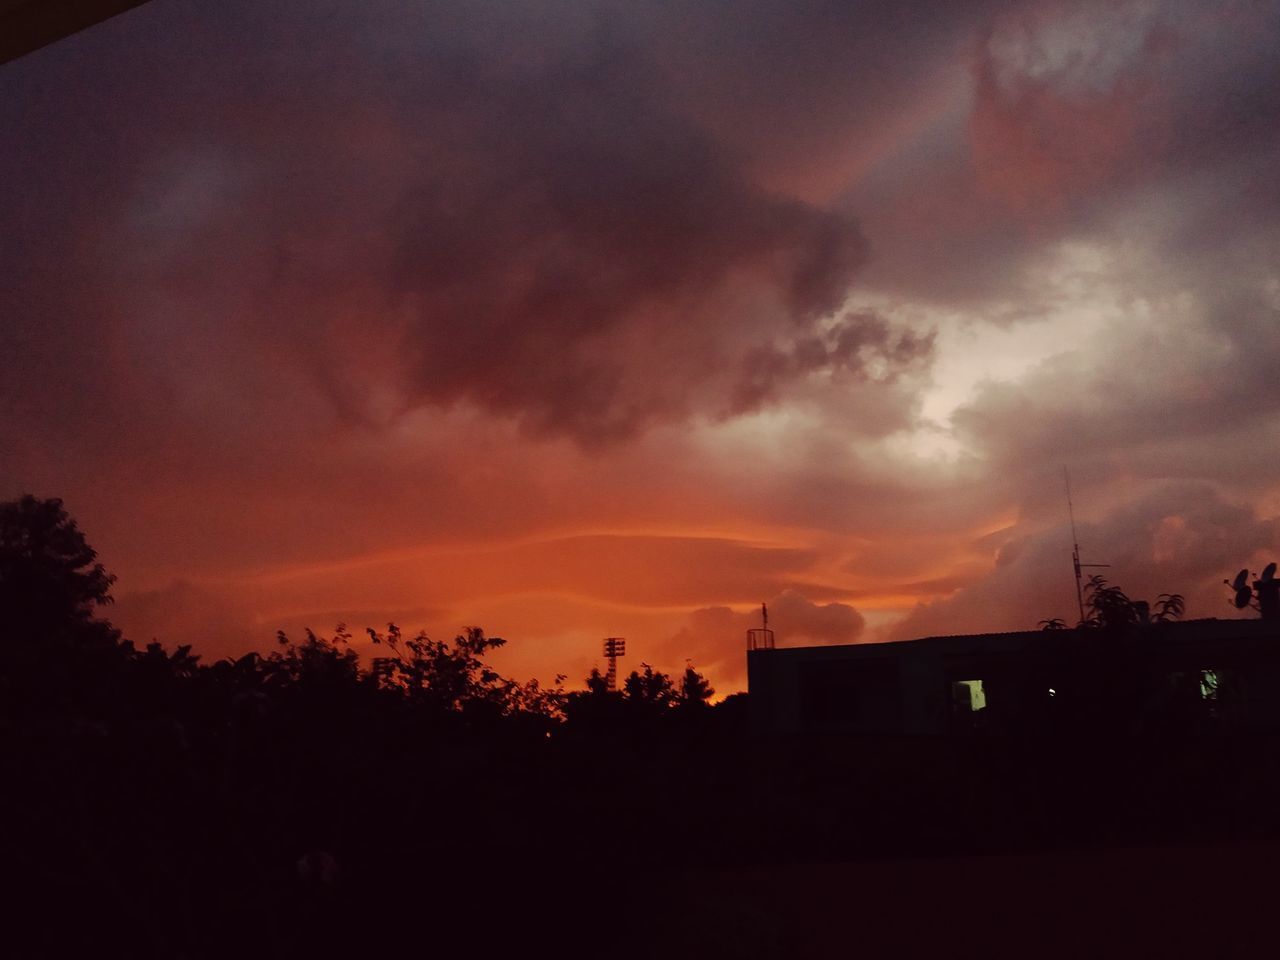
pixel 614 647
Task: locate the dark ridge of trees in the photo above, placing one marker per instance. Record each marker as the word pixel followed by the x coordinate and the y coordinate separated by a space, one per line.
pixel 301 802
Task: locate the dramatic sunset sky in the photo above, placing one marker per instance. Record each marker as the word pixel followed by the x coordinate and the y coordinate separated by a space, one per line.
pixel 593 318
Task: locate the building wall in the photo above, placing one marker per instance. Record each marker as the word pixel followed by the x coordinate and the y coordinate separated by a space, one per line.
pixel 1066 677
pixel 855 689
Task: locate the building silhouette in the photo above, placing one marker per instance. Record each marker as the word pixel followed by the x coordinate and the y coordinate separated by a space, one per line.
pixel 1198 674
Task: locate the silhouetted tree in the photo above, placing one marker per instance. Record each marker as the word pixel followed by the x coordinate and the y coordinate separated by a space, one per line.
pixel 453 677
pixel 1169 606
pixel 649 688
pixel 695 691
pixel 597 682
pixel 595 710
pixel 316 661
pixel 50 580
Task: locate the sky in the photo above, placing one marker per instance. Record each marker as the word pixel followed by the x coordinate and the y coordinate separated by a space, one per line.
pixel 583 319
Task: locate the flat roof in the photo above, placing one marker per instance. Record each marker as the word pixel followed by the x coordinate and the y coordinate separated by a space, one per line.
pixel 1177 633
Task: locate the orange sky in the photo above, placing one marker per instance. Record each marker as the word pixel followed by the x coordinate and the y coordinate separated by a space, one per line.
pixel 585 320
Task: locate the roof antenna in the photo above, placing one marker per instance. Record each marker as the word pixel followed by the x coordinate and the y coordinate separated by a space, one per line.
pixel 1075 548
pixel 761 638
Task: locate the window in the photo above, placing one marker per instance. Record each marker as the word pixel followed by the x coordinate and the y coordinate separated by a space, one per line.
pixel 968 696
pixel 1210 683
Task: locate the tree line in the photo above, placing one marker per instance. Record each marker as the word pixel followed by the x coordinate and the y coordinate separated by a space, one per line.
pixel 156 791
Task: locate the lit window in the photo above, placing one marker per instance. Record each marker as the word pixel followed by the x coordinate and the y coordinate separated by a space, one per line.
pixel 1209 682
pixel 968 695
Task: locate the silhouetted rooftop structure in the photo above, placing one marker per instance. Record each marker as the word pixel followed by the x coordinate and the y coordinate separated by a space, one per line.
pixel 1206 673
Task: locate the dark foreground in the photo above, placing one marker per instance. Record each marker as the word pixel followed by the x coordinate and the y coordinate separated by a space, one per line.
pixel 1214 900
pixel 308 803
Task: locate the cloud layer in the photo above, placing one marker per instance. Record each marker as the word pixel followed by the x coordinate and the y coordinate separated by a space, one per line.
pixel 577 320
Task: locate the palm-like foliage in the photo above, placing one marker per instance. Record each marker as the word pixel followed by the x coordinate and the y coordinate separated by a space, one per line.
pixel 1109 606
pixel 1169 606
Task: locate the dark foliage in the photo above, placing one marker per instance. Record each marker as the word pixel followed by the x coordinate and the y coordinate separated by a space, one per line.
pixel 51 584
pixel 1108 607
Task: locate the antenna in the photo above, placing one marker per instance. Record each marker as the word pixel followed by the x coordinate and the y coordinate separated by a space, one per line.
pixel 1268 589
pixel 1075 548
pixel 761 638
pixel 1244 594
pixel 614 647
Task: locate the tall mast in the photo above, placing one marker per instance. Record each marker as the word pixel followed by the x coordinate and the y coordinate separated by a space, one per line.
pixel 1075 548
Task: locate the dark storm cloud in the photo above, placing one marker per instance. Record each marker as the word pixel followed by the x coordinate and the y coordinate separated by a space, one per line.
pixel 861 346
pixel 555 212
pixel 604 233
pixel 805 90
pixel 514 208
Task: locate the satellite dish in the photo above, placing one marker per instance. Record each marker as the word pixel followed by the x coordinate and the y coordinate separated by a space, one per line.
pixel 1269 572
pixel 1243 597
pixel 1241 581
